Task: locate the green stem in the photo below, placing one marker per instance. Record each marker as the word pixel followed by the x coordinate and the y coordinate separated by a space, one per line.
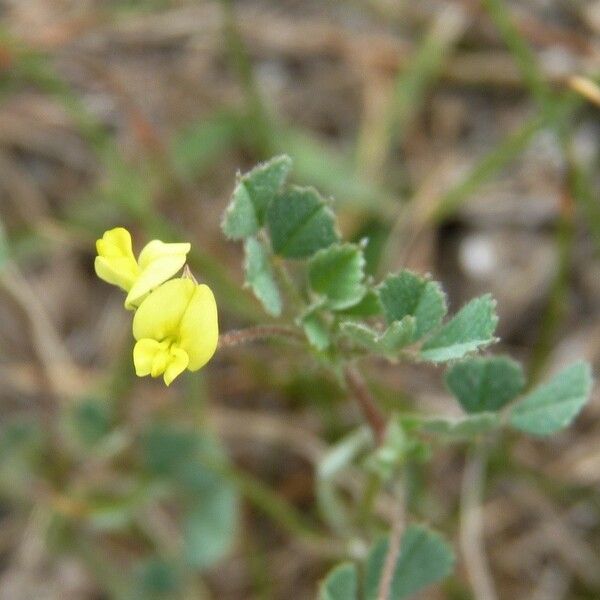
pixel 394 546
pixel 365 509
pixel 522 53
pixel 471 524
pixel 508 149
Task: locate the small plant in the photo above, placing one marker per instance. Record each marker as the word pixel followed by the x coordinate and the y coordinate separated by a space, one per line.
pixel 169 470
pixel 345 318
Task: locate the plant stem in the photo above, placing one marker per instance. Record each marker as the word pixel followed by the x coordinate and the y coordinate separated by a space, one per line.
pixel 371 412
pixel 471 526
pixel 394 547
pixel 237 337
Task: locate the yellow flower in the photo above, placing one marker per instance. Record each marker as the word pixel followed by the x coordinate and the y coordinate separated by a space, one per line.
pixel 176 328
pixel 157 262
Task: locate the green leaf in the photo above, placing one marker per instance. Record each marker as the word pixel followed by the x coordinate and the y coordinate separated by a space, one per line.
pixel 425 558
pixel 332 504
pixel 554 405
pixel 341 583
pixel 485 384
pixel 190 461
pixel 466 427
pixel 212 504
pixel 259 276
pixel 398 335
pixel 166 448
pixel 209 526
pixel 113 513
pixel 90 420
pixel 154 578
pixel 252 195
pixel 343 452
pixel 337 274
pixel 316 330
pixel 369 306
pixel 300 223
pixel 22 444
pixel 397 447
pixel 409 294
pixel 472 327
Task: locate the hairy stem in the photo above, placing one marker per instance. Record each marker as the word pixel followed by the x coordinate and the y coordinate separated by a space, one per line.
pixel 371 412
pixel 237 337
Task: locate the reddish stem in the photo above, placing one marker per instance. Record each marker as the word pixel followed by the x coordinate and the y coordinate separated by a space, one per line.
pixel 253 334
pixel 366 403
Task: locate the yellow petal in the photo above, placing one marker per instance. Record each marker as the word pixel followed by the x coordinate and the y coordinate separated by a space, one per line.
pixel 158 263
pixel 116 271
pixel 199 328
pixel 115 243
pixel 159 315
pixel 144 353
pixel 178 362
pixel 115 262
pixel 152 276
pixel 156 249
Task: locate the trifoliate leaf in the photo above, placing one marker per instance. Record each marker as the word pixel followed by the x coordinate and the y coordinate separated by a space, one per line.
pixel 259 276
pixel 337 273
pixel 425 558
pixel 554 405
pixel 409 294
pixel 472 327
pixel 466 427
pixel 341 583
pixel 300 223
pixel 485 384
pixel 252 195
pixel 398 335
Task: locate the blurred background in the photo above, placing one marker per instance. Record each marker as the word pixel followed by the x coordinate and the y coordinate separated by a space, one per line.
pixel 460 137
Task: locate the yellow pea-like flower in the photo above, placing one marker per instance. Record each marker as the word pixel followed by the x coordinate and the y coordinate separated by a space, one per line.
pixel 176 328
pixel 157 263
